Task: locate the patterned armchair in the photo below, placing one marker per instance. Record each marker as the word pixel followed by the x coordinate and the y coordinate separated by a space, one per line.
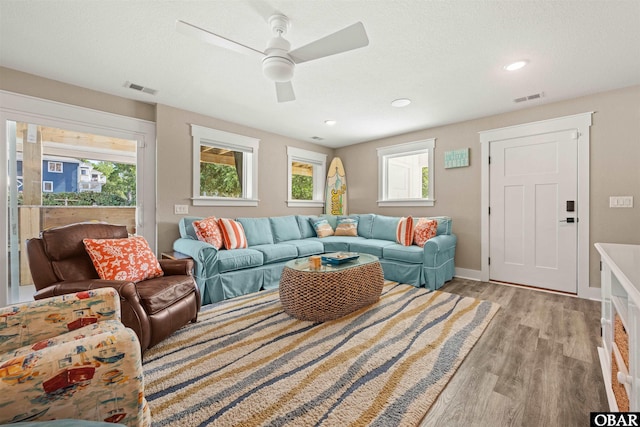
pixel 70 357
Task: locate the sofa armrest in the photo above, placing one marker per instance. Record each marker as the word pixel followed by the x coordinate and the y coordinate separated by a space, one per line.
pixel 33 321
pixel 204 255
pixel 436 246
pixel 177 267
pixel 198 250
pixel 76 375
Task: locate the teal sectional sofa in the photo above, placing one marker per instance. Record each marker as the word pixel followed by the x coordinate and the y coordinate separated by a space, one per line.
pixel 272 241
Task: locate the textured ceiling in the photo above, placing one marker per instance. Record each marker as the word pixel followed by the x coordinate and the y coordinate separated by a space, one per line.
pixel 447 56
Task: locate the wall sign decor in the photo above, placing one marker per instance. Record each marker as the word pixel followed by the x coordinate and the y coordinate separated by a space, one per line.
pixel 456 158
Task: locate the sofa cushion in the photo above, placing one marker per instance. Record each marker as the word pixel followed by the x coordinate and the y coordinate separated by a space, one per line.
pixel 306 247
pixel 338 243
pixel 322 227
pixel 285 228
pixel 233 234
pixel 257 230
pixel 187 231
pixel 384 227
pixel 346 227
pixel 365 225
pixel 237 259
pixel 397 252
pixel 306 229
pixel 276 252
pixel 370 246
pixel 162 292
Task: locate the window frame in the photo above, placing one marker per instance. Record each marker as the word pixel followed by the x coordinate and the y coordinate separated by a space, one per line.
pixel 220 139
pixel 319 163
pixel 52 166
pixel 399 150
pixel 47 186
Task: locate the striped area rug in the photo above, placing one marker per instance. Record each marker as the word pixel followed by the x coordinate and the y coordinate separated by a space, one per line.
pixel 247 363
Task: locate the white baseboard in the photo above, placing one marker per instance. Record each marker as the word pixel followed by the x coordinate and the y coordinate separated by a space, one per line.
pixel 465 273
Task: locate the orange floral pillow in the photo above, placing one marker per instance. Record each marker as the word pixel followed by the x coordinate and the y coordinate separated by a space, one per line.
pixel 208 231
pixel 123 259
pixel 425 229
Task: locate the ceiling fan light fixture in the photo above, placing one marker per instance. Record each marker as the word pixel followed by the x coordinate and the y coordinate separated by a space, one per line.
pixel 516 65
pixel 277 68
pixel 400 102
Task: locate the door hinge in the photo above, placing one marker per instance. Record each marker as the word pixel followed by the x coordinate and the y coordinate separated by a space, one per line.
pixel 600 265
pixel 489 210
pixel 489 159
pixel 489 260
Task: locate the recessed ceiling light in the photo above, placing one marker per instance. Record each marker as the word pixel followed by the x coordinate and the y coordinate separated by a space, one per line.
pixel 330 122
pixel 515 65
pixel 401 102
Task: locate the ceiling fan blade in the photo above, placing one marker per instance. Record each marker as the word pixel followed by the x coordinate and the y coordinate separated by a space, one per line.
pixel 214 39
pixel 352 37
pixel 284 92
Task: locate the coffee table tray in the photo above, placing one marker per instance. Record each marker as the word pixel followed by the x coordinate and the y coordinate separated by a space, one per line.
pixel 339 258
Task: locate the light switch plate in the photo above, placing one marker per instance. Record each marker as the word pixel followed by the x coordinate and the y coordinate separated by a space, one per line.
pixel 621 201
pixel 181 209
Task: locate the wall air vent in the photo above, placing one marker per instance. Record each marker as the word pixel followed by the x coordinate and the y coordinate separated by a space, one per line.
pixel 529 97
pixel 140 88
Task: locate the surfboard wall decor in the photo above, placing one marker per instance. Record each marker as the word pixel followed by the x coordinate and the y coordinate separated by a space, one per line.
pixel 335 202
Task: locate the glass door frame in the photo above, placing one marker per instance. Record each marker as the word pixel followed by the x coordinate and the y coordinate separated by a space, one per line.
pixel 22 108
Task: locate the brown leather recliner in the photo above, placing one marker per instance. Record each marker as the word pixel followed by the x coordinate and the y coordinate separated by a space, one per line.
pixel 153 308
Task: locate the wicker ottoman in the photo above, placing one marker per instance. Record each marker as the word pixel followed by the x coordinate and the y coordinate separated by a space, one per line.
pixel 332 291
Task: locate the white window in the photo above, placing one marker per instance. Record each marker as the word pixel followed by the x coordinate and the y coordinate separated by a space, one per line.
pixel 305 177
pixel 47 186
pixel 225 171
pixel 55 167
pixel 405 174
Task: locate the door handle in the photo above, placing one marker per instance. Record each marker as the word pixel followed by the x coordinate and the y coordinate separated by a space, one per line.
pixel 569 220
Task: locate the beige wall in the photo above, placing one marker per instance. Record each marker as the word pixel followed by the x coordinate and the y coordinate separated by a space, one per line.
pixel 615 170
pixel 615 160
pixel 29 84
pixel 175 171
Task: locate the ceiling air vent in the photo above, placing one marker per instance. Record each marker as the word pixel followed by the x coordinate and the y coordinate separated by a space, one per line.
pixel 529 97
pixel 317 138
pixel 140 88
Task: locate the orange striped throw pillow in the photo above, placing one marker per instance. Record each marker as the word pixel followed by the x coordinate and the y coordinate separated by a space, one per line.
pixel 404 232
pixel 232 234
pixel 128 259
pixel 425 230
pixel 208 231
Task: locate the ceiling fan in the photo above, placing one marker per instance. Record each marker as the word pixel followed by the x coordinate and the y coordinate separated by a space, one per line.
pixel 278 61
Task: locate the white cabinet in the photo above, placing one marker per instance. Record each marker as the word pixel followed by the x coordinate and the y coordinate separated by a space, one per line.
pixel 621 304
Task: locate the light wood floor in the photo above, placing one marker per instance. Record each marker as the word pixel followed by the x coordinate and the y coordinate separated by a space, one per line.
pixel 535 365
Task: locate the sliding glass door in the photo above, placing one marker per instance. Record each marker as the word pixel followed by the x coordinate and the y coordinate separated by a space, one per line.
pixel 61 171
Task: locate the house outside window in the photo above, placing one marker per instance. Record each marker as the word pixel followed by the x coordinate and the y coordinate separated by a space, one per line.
pixel 305 177
pixel 47 186
pixel 225 168
pixel 405 174
pixel 55 167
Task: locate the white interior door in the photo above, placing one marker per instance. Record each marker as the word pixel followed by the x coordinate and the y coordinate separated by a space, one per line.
pixel 533 227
